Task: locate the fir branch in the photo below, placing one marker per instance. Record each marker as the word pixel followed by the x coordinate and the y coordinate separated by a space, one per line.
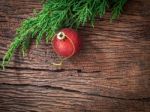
pixel 117 8
pixel 104 4
pixel 57 14
pixel 82 12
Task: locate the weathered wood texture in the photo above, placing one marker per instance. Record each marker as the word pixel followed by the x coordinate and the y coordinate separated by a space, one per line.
pixel 111 73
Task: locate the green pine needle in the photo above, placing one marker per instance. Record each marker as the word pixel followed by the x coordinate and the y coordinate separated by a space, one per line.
pixel 58 14
pixel 117 9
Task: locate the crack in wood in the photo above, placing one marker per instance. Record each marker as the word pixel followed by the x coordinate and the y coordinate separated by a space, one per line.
pixel 57 70
pixel 147 99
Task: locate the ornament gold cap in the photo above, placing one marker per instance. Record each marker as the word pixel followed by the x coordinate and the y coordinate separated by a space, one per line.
pixel 61 35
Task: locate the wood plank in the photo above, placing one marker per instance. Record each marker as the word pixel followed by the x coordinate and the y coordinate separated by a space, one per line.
pixel 110 74
pixel 114 46
pixel 27 98
pixel 98 83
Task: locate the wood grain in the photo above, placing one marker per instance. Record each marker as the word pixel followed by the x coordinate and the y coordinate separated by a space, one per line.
pixel 110 74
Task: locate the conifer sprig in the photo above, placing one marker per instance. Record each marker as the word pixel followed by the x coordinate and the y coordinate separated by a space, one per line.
pixel 57 14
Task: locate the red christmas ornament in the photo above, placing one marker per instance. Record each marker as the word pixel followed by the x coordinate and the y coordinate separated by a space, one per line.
pixel 66 42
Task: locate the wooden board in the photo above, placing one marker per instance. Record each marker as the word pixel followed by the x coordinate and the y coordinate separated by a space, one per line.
pixel 110 74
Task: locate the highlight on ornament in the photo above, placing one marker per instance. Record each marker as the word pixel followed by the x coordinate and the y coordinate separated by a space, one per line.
pixel 56 15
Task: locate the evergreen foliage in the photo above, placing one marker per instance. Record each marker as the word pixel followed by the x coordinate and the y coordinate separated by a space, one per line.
pixel 57 14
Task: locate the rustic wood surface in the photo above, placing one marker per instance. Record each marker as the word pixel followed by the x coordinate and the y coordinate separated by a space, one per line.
pixel 111 73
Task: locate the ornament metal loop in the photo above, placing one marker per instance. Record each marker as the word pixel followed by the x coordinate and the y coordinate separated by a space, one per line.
pixel 61 35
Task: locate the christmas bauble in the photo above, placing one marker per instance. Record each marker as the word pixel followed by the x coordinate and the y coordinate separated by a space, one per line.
pixel 66 42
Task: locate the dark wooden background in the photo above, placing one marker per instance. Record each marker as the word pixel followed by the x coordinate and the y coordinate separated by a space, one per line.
pixel 111 73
